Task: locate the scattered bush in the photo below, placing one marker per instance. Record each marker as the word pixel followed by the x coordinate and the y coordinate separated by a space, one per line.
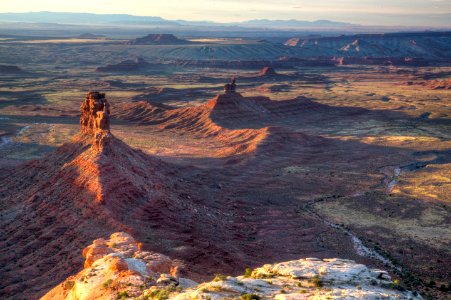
pixel 247 272
pixel 107 283
pixel 220 277
pixel 317 281
pixel 122 295
pixel 250 297
pixel 443 288
pixel 159 294
pixel 431 283
pixel 68 285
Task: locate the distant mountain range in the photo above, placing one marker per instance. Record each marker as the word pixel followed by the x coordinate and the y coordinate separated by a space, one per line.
pixel 294 23
pixel 123 19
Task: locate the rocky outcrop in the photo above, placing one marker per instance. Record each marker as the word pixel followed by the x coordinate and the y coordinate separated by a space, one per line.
pixel 230 87
pixel 267 72
pixel 308 278
pixel 95 119
pixel 118 269
pixel 95 113
pixel 158 39
pixel 118 266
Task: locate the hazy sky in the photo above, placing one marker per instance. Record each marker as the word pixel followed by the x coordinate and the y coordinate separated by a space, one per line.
pixel 368 12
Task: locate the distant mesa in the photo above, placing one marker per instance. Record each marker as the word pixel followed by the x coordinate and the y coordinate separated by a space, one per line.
pixel 90 36
pixel 404 47
pixel 10 69
pixel 293 42
pixel 131 65
pixel 267 72
pixel 158 39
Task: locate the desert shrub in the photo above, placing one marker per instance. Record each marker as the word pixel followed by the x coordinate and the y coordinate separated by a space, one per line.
pixel 250 297
pixel 431 283
pixel 317 282
pixel 159 294
pixel 107 283
pixel 247 272
pixel 68 285
pixel 122 295
pixel 219 277
pixel 442 288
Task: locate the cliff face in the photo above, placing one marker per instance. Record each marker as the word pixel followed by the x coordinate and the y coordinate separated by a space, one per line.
pixel 95 119
pixel 95 113
pixel 118 269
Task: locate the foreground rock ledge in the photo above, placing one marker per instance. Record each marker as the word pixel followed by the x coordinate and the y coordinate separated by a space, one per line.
pixel 118 269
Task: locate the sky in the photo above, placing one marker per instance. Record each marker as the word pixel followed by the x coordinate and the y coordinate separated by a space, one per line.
pixel 365 12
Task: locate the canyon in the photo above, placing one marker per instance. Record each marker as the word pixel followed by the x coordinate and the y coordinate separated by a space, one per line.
pixel 225 167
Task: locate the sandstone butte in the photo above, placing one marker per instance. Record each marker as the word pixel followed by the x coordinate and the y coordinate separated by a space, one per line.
pixel 118 268
pixel 267 72
pixel 95 119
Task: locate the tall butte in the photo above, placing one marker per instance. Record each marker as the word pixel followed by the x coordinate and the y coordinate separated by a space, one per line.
pixel 95 119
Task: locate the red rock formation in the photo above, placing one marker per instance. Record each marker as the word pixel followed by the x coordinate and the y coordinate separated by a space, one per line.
pixel 230 87
pixel 267 72
pixel 95 113
pixel 95 119
pixel 117 265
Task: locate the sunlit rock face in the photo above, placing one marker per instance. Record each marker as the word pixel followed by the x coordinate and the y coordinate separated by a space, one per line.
pixel 267 72
pixel 95 113
pixel 118 269
pixel 115 267
pixel 95 119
